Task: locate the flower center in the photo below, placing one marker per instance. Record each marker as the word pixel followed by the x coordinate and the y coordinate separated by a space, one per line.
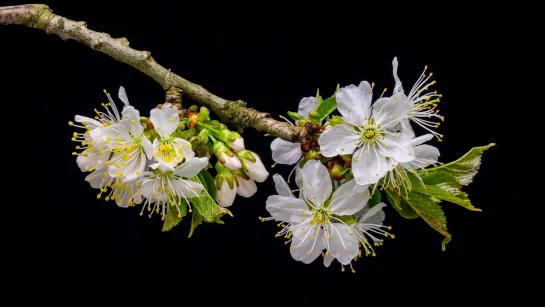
pixel 320 216
pixel 370 134
pixel 170 152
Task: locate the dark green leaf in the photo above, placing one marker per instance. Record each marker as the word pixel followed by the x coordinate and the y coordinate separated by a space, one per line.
pixel 206 206
pixel 171 218
pixel 430 212
pixel 294 115
pixel 375 199
pixel 400 205
pixel 465 168
pixel 443 186
pixel 209 183
pixel 196 220
pixel 327 107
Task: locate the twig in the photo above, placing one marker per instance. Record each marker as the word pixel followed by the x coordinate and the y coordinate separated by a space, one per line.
pixel 39 16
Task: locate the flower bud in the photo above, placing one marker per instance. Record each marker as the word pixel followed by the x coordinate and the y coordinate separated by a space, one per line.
pixel 204 114
pixel 313 154
pixel 336 120
pixel 246 186
pixel 314 117
pixel 227 190
pixel 336 169
pixel 252 165
pixel 236 142
pixel 226 156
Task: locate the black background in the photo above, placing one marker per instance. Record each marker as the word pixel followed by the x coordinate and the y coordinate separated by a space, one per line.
pixel 270 54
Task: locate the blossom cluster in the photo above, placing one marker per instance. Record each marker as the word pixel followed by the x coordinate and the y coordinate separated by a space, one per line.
pixel 156 161
pixel 338 169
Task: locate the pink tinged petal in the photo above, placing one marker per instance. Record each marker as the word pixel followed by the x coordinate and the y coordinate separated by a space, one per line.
pixel 368 166
pixel 397 146
pixel 226 195
pixel 122 95
pixel 425 155
pixel 148 147
pixel 343 243
pixel 345 201
pixel 307 244
pixel 92 123
pixel 165 120
pixel 306 105
pixel 354 103
pixel 285 152
pixel 421 139
pixel 246 188
pixel 388 112
pixel 191 168
pixel 286 209
pixel 339 140
pixel 281 186
pixel 372 212
pixel 316 182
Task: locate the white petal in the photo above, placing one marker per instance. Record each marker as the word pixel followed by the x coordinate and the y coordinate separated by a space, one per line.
pixel 92 123
pixel 316 182
pixel 85 163
pixel 406 128
pixel 286 209
pixel 226 195
pixel 163 167
pixel 148 147
pixel 246 188
pixel 303 243
pixel 398 87
pixel 372 211
pixel 256 170
pixel 345 201
pixel 388 112
pixel 237 144
pixel 339 140
pixel 343 243
pixel 131 119
pixel 95 178
pixel 368 166
pixel 232 163
pixel 281 186
pixel 354 103
pixel 328 259
pixel 306 105
pixel 397 146
pixel 188 188
pixel 149 185
pixel 165 120
pixel 185 147
pixel 299 176
pixel 122 95
pixel 190 168
pixel 285 152
pixel 421 139
pixel 424 156
pixel 114 131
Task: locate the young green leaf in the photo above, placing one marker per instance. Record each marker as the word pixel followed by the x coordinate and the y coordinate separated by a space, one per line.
pixel 430 212
pixel 196 220
pixel 400 205
pixel 294 115
pixel 209 183
pixel 465 168
pixel 172 219
pixel 327 107
pixel 184 134
pixel 443 186
pixel 375 198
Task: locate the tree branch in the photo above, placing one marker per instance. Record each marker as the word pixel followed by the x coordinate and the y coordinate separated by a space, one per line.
pixel 39 16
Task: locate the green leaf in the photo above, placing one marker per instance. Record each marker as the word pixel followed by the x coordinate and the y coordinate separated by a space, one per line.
pixel 209 183
pixel 319 99
pixel 184 134
pixel 442 186
pixel 465 168
pixel 430 212
pixel 375 199
pixel 400 205
pixel 327 107
pixel 171 218
pixel 196 220
pixel 294 115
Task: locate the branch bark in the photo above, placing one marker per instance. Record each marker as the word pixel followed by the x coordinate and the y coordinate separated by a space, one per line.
pixel 39 16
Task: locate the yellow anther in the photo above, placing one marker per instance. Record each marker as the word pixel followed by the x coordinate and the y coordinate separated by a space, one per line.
pixel 98 196
pixel 74 154
pixel 308 253
pixel 71 123
pixel 171 119
pixel 133 121
pixel 392 236
pixel 73 139
pixel 342 270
